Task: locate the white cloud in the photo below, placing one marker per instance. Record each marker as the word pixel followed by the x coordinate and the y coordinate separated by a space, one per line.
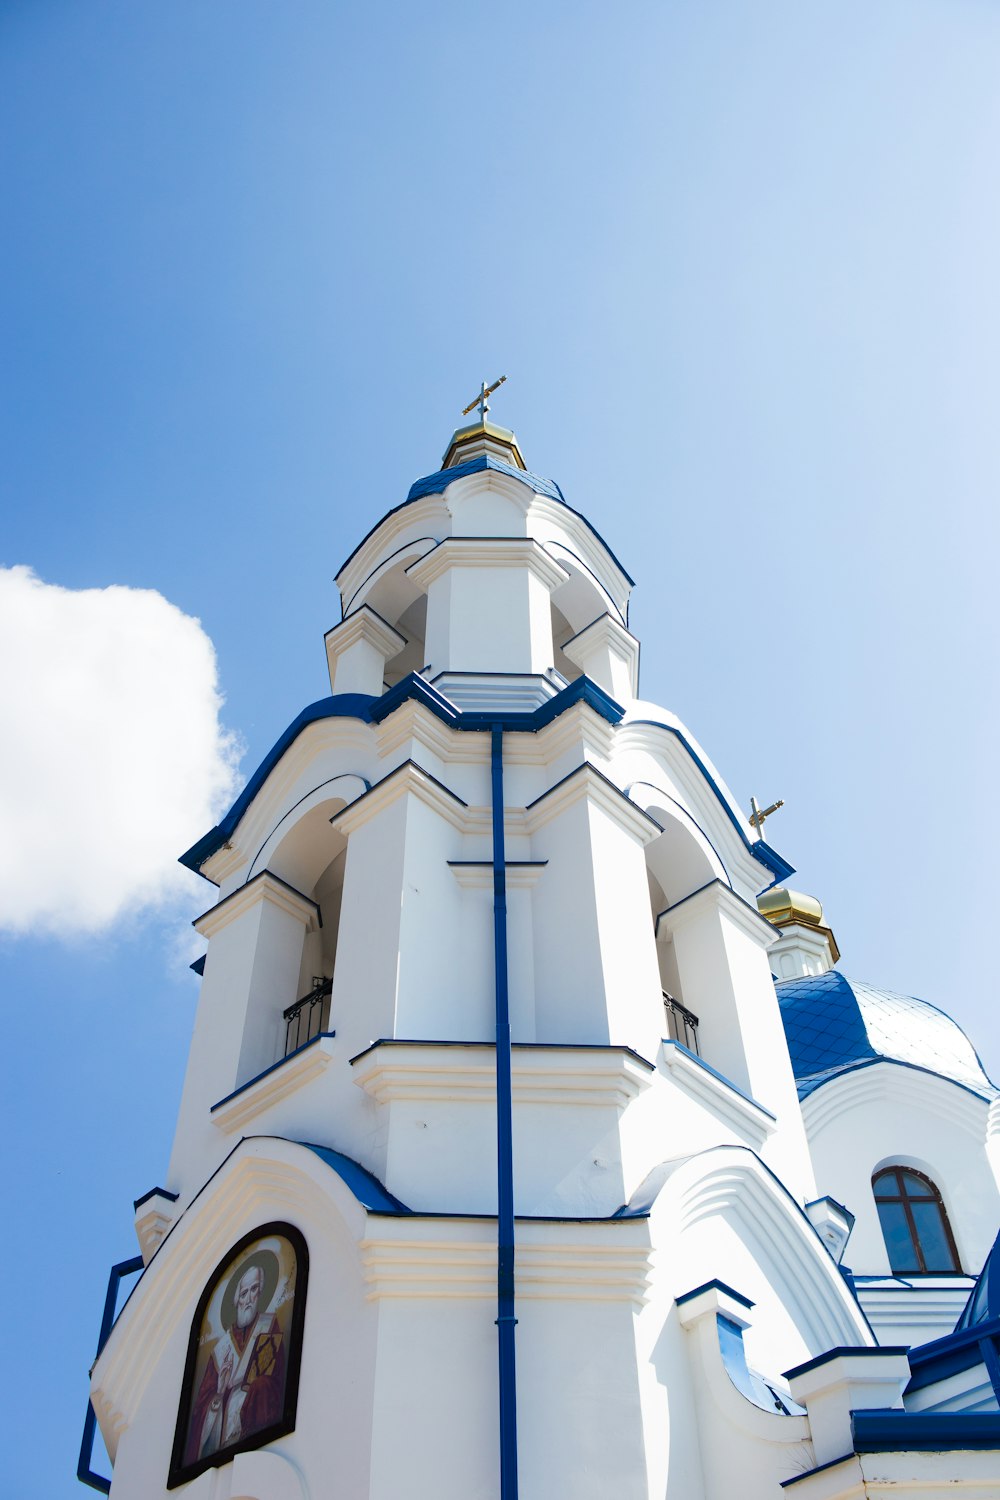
pixel 112 757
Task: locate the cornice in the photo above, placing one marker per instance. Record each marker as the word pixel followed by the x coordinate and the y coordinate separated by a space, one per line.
pixel 263 887
pixel 477 875
pixel 558 1261
pixel 363 624
pixel 602 1077
pixel 413 720
pixel 274 1084
pixel 609 632
pixel 885 1081
pixel 748 1119
pixel 405 779
pixel 587 783
pixel 488 552
pixel 718 896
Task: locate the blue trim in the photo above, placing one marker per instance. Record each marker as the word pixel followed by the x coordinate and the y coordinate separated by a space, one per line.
pixel 768 857
pixel 986 1290
pixel 121 1269
pixel 370 1193
pixel 892 1431
pixel 991 1360
pixel 954 1360
pixel 297 1052
pixel 771 860
pixel 198 967
pixel 850 1351
pixel 506 1319
pixel 580 690
pixel 340 706
pixel 714 1285
pixel 811 1084
pixel 437 483
pixel 156 1192
pixel 373 711
pixel 668 1041
pixel 416 687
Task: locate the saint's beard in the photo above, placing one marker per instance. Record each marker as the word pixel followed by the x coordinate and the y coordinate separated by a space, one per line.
pixel 245 1315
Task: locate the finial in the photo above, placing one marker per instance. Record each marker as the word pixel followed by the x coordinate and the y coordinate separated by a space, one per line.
pixel 482 400
pixel 758 813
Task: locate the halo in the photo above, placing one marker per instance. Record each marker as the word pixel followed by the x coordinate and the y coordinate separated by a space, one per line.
pixel 267 1263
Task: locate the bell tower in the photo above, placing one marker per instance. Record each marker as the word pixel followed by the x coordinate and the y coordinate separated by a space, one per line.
pixel 487 1074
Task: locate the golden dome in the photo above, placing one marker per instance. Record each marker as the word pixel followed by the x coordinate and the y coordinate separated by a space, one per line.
pixel 780 905
pixel 482 436
pixel 783 907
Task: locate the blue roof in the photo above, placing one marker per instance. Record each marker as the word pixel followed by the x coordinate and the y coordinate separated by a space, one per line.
pixel 834 1025
pixel 436 484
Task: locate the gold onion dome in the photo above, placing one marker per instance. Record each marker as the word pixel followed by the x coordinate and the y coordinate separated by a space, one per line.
pixel 784 907
pixel 482 436
pixel 780 905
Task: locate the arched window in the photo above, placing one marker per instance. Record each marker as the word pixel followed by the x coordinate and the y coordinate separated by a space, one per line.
pixel 915 1226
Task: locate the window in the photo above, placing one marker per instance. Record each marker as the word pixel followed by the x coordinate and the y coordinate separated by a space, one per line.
pixel 915 1226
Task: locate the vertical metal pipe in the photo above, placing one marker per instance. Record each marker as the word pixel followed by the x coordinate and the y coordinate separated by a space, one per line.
pixel 84 1472
pixel 506 1321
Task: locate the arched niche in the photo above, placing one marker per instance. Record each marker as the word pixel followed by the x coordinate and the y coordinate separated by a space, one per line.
pixel 679 861
pixel 392 593
pixel 309 855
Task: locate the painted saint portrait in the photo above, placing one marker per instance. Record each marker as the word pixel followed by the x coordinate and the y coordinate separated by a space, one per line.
pixel 241 1378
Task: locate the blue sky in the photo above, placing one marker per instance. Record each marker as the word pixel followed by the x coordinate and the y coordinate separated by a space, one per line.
pixel 738 261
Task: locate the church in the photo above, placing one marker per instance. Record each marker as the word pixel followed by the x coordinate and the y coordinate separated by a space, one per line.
pixel 533 1142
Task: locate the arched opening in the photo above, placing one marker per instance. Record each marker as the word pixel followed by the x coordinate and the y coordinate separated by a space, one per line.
pixel 677 864
pixel 914 1222
pixel 312 858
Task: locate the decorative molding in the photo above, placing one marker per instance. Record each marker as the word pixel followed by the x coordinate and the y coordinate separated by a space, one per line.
pixel 556 1261
pixel 477 875
pixel 718 896
pixel 405 779
pixel 602 1077
pixel 364 624
pixel 263 887
pixel 154 1218
pixel 751 1122
pixel 275 1083
pixel 605 632
pixel 886 1082
pixel 488 552
pixel 590 784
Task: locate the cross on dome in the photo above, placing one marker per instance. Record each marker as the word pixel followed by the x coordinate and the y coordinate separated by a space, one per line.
pixel 482 400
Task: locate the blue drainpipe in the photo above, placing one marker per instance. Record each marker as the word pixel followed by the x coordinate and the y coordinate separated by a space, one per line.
pixel 84 1471
pixel 506 1321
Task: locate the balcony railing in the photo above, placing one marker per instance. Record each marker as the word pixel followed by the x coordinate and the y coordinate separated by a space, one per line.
pixel 308 1016
pixel 682 1024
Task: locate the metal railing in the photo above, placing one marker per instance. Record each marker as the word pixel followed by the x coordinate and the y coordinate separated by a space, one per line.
pixel 682 1024
pixel 308 1016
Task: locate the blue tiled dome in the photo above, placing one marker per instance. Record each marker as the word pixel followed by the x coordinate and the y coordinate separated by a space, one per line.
pixel 834 1024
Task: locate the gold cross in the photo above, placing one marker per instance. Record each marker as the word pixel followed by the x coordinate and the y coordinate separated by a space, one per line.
pixel 758 813
pixel 482 400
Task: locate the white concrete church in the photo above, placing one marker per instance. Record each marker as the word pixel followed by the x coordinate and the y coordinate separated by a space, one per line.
pixel 529 1128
